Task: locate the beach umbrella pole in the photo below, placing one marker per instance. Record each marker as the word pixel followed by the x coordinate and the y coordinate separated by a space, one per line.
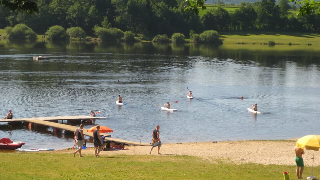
pixel 312 164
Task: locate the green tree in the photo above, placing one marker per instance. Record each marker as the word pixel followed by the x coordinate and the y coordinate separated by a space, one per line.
pixel 268 14
pixel 210 36
pixel 56 33
pixel 178 38
pixel 244 18
pixel 24 5
pixel 222 19
pixel 111 34
pixel 77 13
pixel 21 31
pixel 308 6
pixel 128 36
pixel 76 32
pixel 284 7
pixel 209 21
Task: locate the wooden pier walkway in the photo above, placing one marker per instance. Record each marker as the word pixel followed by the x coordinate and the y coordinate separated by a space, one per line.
pixel 46 122
pixel 55 118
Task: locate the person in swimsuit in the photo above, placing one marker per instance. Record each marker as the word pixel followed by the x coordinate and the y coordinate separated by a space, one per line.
pixel 190 94
pixel 299 161
pixel 255 107
pixel 241 97
pixel 119 99
pixel 92 114
pixel 167 105
pixel 156 139
pixel 9 115
pixel 79 140
pixel 97 141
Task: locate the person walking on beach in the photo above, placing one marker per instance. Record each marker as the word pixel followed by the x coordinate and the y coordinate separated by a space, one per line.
pixel 97 141
pixel 299 161
pixel 79 140
pixel 156 139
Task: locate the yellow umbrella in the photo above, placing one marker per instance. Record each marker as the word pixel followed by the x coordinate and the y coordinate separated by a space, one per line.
pixel 310 142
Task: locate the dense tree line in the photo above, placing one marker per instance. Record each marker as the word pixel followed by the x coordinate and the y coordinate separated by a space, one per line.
pixel 151 17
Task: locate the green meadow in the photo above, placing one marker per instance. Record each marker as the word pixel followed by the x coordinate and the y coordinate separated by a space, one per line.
pixel 64 166
pixel 285 41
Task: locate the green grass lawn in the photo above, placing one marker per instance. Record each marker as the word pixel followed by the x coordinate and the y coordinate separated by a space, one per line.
pixel 280 39
pixel 64 166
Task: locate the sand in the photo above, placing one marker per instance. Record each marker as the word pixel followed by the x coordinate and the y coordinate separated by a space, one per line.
pixel 260 152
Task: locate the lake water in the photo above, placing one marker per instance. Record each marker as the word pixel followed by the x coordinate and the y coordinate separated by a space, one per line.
pixel 82 77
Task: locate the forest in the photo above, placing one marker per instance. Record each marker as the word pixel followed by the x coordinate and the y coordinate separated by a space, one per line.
pixel 153 17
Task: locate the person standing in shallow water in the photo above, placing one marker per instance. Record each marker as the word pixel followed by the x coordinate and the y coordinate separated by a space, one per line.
pixel 156 139
pixel 299 161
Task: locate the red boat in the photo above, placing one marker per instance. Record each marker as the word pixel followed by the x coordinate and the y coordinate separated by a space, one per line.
pixel 6 143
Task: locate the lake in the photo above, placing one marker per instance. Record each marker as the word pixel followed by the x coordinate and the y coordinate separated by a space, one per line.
pixel 80 77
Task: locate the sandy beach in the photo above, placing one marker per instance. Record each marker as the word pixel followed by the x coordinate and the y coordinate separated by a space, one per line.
pixel 260 152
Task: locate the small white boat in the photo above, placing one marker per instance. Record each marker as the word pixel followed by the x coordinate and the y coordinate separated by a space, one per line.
pixel 120 104
pixel 189 97
pixel 166 109
pixel 36 58
pixel 253 111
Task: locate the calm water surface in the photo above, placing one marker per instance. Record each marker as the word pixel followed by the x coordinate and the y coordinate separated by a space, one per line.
pixel 80 78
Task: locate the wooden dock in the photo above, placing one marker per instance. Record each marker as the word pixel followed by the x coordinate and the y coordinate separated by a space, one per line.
pixel 55 118
pixel 46 122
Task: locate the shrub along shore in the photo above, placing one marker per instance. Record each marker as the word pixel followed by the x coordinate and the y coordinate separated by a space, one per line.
pixel 245 38
pixel 210 160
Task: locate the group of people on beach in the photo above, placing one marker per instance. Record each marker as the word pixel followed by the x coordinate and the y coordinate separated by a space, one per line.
pixel 80 141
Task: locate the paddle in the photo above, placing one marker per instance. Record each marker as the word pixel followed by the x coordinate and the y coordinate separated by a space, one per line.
pixel 169 102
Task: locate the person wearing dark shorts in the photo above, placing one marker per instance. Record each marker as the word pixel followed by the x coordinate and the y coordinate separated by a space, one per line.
pixel 299 161
pixel 97 141
pixel 156 139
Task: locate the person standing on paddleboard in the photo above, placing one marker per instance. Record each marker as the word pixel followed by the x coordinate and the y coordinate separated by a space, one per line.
pixel 190 94
pixel 255 107
pixel 119 99
pixel 167 105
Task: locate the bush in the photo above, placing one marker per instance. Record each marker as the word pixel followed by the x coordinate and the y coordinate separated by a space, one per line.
pixel 161 38
pixel 195 38
pixel 129 36
pixel 177 38
pixel 56 33
pixel 76 32
pixel 271 43
pixel 111 34
pixel 21 31
pixel 210 36
pixel 8 29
